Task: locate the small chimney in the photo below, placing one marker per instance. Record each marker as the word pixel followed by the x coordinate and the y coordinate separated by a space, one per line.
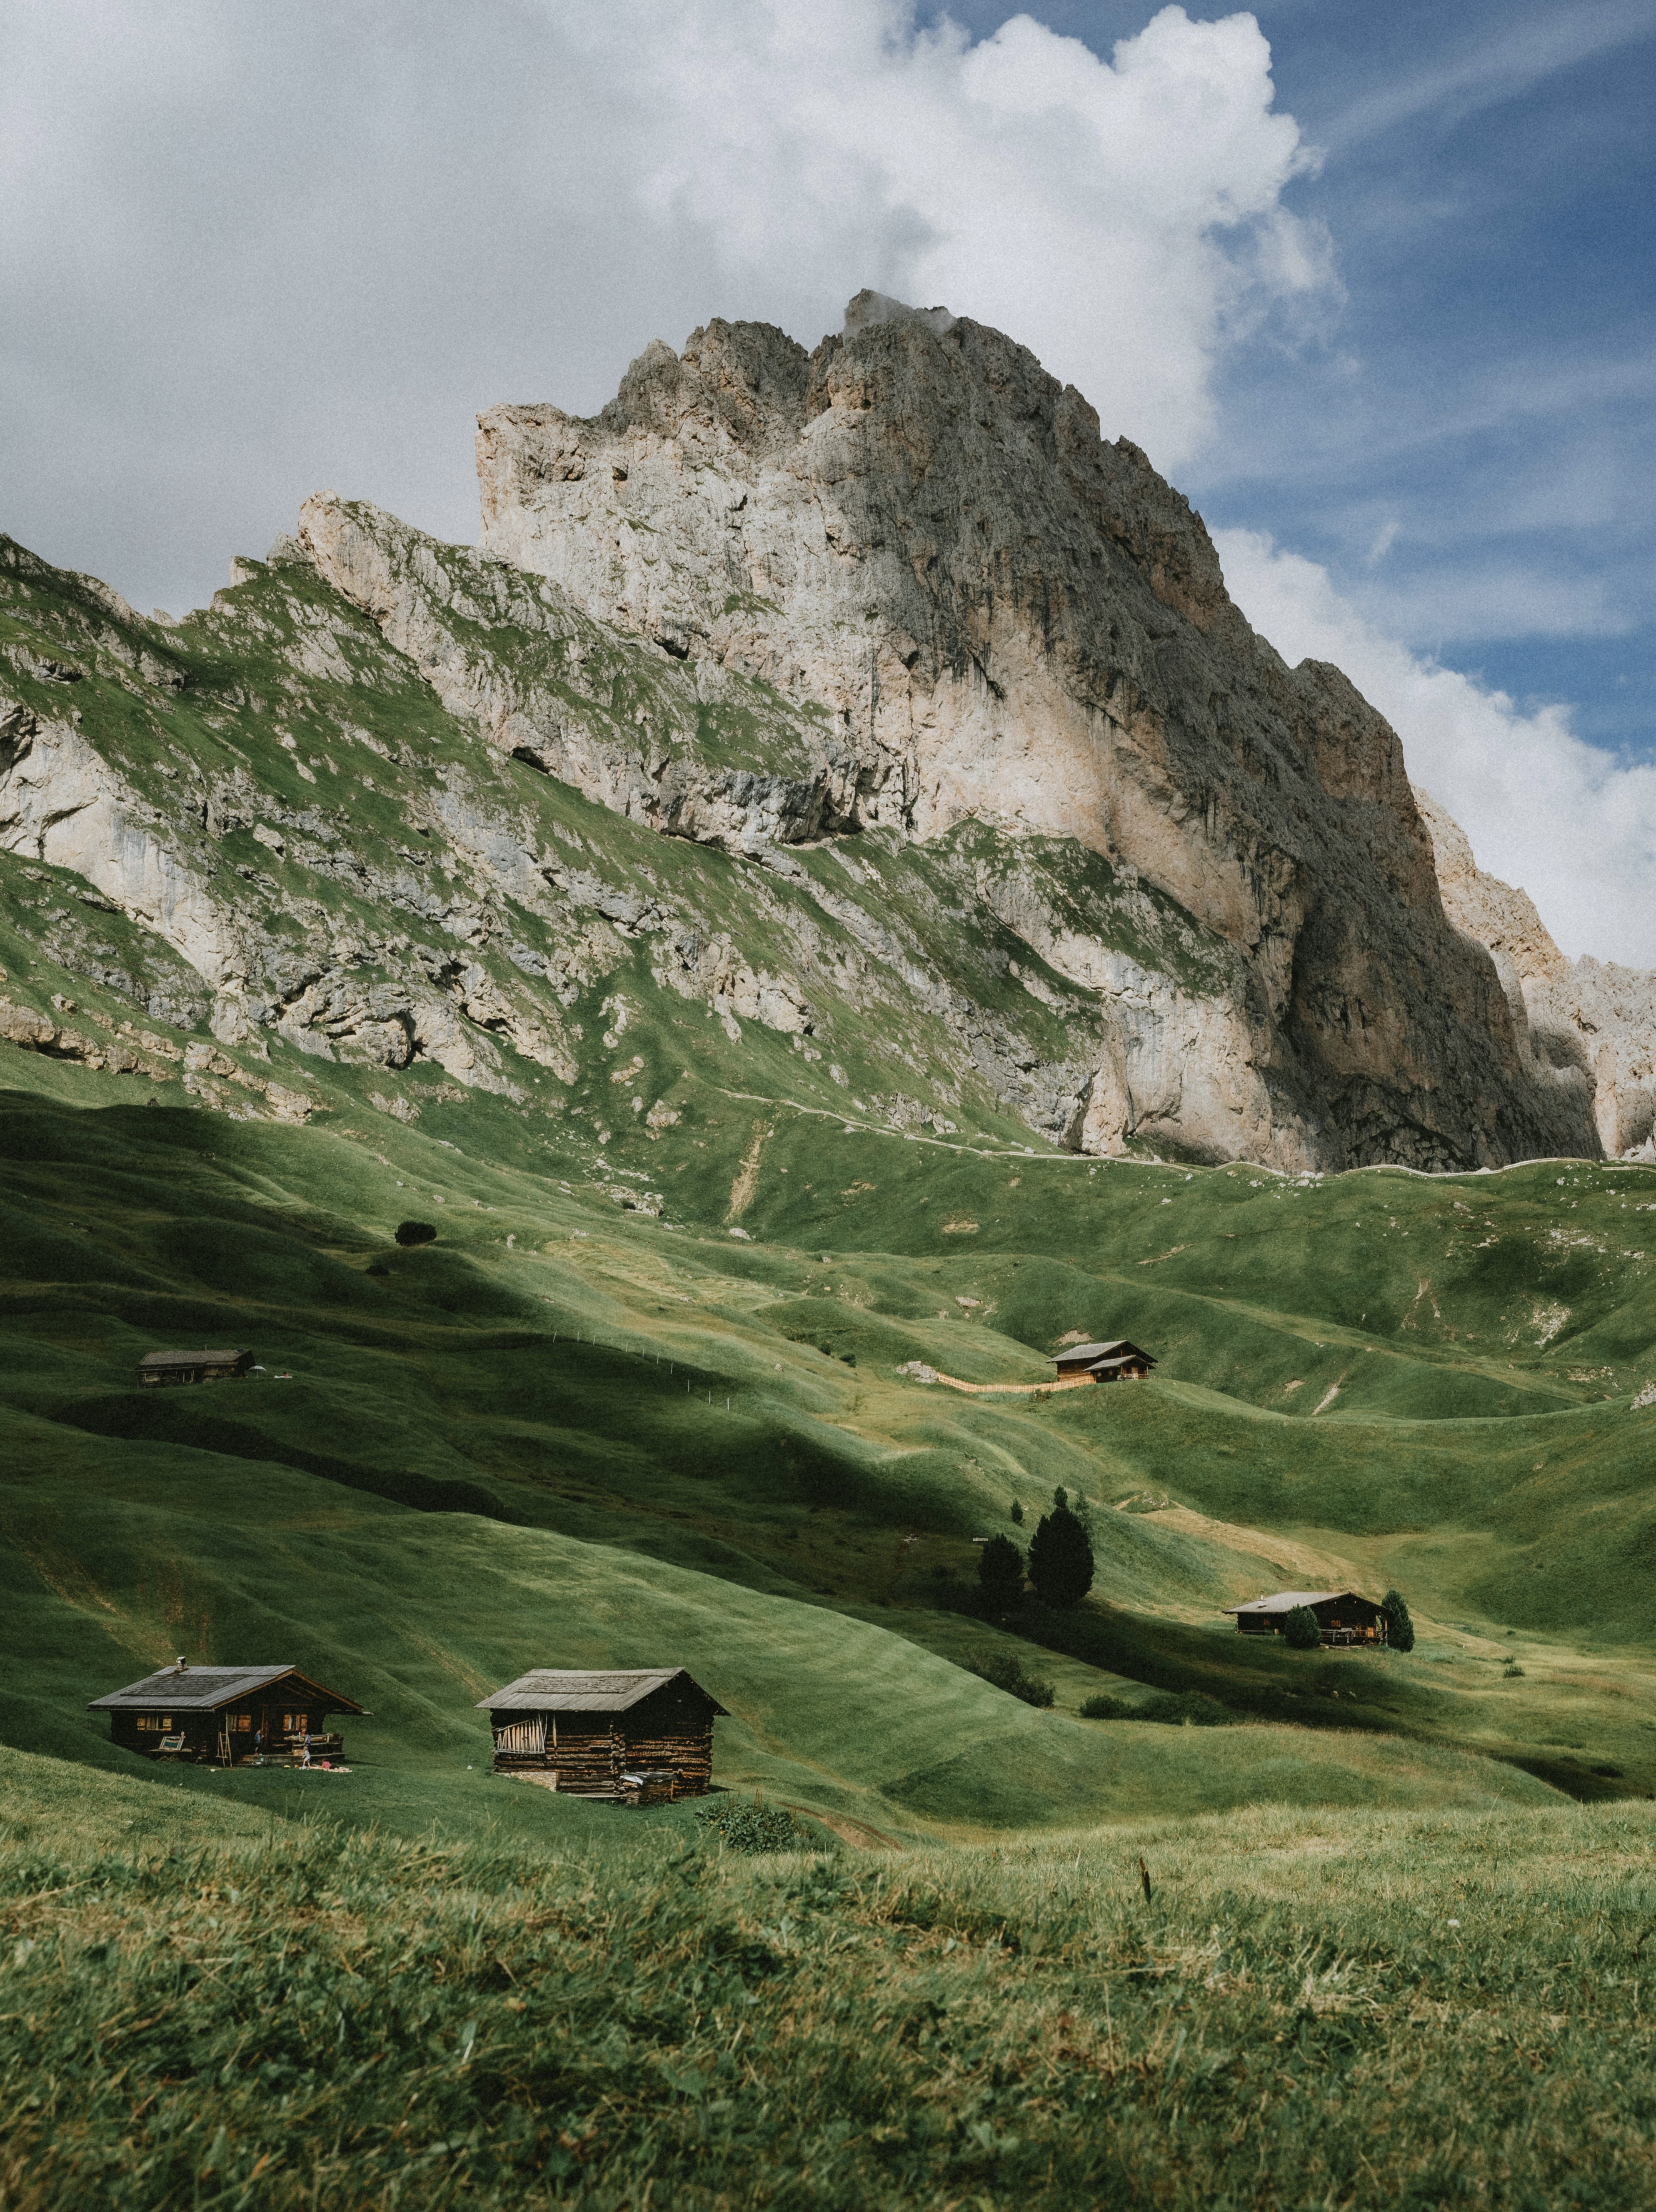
pixel 181 1669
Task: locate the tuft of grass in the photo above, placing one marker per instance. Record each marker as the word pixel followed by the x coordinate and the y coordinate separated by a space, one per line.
pixel 752 1826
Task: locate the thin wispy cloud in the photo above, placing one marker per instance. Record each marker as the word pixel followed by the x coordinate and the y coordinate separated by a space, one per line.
pixel 1523 55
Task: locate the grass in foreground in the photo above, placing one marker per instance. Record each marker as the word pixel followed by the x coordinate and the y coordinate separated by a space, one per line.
pixel 1347 2010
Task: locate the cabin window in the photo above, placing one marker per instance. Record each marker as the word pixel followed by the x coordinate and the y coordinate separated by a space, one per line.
pixel 161 1724
pixel 241 1722
pixel 296 1724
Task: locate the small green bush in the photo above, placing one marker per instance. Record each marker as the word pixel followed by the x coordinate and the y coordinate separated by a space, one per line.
pixel 415 1232
pixel 1300 1631
pixel 753 1827
pixel 1007 1672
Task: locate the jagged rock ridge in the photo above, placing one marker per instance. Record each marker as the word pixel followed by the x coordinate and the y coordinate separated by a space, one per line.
pixel 929 746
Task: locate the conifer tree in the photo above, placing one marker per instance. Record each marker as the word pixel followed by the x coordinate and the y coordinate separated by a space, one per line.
pixel 1301 1631
pixel 1060 1557
pixel 1399 1628
pixel 1001 1575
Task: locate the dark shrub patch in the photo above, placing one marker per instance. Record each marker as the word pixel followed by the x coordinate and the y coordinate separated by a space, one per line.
pixel 1172 1707
pixel 1009 1674
pixel 415 1232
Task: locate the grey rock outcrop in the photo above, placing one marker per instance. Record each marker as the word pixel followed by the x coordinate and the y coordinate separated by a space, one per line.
pixel 1013 621
pixel 1587 1026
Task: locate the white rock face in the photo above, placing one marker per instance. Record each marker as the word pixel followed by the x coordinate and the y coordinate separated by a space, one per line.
pixel 1588 1026
pixel 62 802
pixel 1011 622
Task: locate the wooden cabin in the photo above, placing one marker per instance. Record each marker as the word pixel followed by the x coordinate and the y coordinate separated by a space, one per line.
pixel 1344 1616
pixel 1117 1361
pixel 228 1716
pixel 636 1738
pixel 158 1367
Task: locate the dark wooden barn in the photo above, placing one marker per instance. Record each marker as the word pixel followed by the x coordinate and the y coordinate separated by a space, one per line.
pixel 1117 1361
pixel 636 1738
pixel 225 1715
pixel 1344 1616
pixel 158 1367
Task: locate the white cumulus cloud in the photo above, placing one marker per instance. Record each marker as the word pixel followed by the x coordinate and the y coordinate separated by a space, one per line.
pixel 247 250
pixel 1570 823
pixel 1119 218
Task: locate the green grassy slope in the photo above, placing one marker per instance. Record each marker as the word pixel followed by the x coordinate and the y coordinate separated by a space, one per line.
pixel 1390 2009
pixel 616 1394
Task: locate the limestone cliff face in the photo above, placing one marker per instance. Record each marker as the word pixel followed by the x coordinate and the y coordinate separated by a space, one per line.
pixel 1587 1026
pixel 859 727
pixel 1013 621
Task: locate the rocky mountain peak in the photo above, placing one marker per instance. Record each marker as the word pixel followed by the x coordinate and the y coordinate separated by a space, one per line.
pixel 979 788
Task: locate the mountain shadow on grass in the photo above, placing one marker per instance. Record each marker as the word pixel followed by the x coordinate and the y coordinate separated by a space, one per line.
pixel 155 1417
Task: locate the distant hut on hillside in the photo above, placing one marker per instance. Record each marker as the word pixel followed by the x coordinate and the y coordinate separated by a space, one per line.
pixel 222 1716
pixel 156 1367
pixel 1117 1361
pixel 1342 1616
pixel 636 1738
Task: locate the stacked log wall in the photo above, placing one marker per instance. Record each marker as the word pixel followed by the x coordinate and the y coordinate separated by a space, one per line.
pixel 591 1763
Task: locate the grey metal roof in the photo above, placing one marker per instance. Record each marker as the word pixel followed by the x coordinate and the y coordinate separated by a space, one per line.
pixel 218 1358
pixel 1285 1600
pixel 567 1690
pixel 1122 1346
pixel 204 1689
pixel 1121 1359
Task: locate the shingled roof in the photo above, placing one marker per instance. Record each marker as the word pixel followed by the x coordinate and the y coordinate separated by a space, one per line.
pixel 1117 1352
pixel 204 1689
pixel 1285 1600
pixel 225 1357
pixel 561 1690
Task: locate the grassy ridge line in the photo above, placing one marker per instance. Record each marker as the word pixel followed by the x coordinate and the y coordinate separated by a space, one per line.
pixel 1392 2010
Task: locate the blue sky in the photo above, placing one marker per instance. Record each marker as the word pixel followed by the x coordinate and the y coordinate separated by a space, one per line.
pixel 246 252
pixel 1467 439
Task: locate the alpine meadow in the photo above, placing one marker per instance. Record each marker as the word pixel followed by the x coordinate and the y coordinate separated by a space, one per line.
pixel 645 1043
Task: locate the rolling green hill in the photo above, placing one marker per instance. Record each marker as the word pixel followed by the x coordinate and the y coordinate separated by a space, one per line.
pixel 571 1430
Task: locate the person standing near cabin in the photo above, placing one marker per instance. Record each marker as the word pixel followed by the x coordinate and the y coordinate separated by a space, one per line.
pixel 259 1744
pixel 304 1747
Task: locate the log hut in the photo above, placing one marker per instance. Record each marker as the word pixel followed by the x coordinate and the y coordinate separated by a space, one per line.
pixel 1116 1361
pixel 636 1738
pixel 1344 1616
pixel 160 1367
pixel 225 1715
